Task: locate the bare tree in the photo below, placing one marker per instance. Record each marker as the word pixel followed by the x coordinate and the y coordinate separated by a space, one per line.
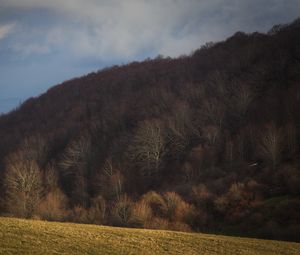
pixel 193 93
pixel 76 164
pixel 148 148
pixel 110 181
pixel 23 184
pixel 271 144
pixel 216 84
pixel 179 127
pixel 290 131
pixel 229 151
pixel 242 97
pixel 211 134
pixel 50 178
pixel 245 143
pixel 77 154
pixel 213 112
pixel 35 148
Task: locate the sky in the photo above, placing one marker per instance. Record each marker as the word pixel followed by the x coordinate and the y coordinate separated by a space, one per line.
pixel 44 42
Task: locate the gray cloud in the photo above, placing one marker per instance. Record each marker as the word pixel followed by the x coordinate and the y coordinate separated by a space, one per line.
pixel 125 29
pixel 43 42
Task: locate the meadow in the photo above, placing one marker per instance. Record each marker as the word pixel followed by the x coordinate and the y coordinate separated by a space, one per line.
pixel 19 236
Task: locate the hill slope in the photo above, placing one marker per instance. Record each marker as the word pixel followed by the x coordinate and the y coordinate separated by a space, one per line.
pixel 38 237
pixel 205 142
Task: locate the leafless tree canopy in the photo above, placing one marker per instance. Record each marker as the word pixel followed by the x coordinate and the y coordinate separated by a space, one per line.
pixel 204 142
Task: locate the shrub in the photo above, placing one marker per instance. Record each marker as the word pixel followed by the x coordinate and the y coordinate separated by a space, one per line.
pixel 122 211
pixel 97 212
pixel 158 223
pixel 187 213
pixel 179 226
pixel 237 192
pixel 170 208
pixel 256 219
pixel 177 209
pixel 221 204
pixel 53 206
pixel 79 214
pixel 287 211
pixel 256 190
pixel 156 203
pixel 236 203
pixel 141 214
pixel 172 201
pixel 292 180
pixel 201 220
pixel 202 196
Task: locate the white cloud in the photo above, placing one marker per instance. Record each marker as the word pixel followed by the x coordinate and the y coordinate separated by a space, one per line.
pixel 6 29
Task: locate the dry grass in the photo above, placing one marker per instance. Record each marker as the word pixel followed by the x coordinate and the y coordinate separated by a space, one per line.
pixel 19 236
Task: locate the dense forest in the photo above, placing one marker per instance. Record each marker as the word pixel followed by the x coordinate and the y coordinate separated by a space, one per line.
pixel 206 142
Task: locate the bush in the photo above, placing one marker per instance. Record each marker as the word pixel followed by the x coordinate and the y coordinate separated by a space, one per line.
pixel 201 220
pixel 172 201
pixel 292 180
pixel 287 211
pixel 236 203
pixel 53 206
pixel 202 196
pixel 158 223
pixel 156 203
pixel 178 210
pixel 179 226
pixel 97 212
pixel 122 212
pixel 256 219
pixel 221 204
pixel 141 214
pixel 170 210
pixel 188 213
pixel 79 214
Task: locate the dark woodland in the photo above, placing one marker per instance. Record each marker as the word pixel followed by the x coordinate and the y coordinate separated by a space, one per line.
pixel 206 142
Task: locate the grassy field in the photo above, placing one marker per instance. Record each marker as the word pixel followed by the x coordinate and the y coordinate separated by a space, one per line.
pixel 38 237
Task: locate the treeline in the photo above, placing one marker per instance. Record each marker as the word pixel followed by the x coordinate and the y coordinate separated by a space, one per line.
pixel 207 142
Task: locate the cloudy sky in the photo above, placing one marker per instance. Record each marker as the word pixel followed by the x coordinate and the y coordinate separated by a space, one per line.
pixel 44 42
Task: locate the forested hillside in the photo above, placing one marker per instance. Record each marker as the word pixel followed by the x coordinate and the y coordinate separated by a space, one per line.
pixel 207 142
